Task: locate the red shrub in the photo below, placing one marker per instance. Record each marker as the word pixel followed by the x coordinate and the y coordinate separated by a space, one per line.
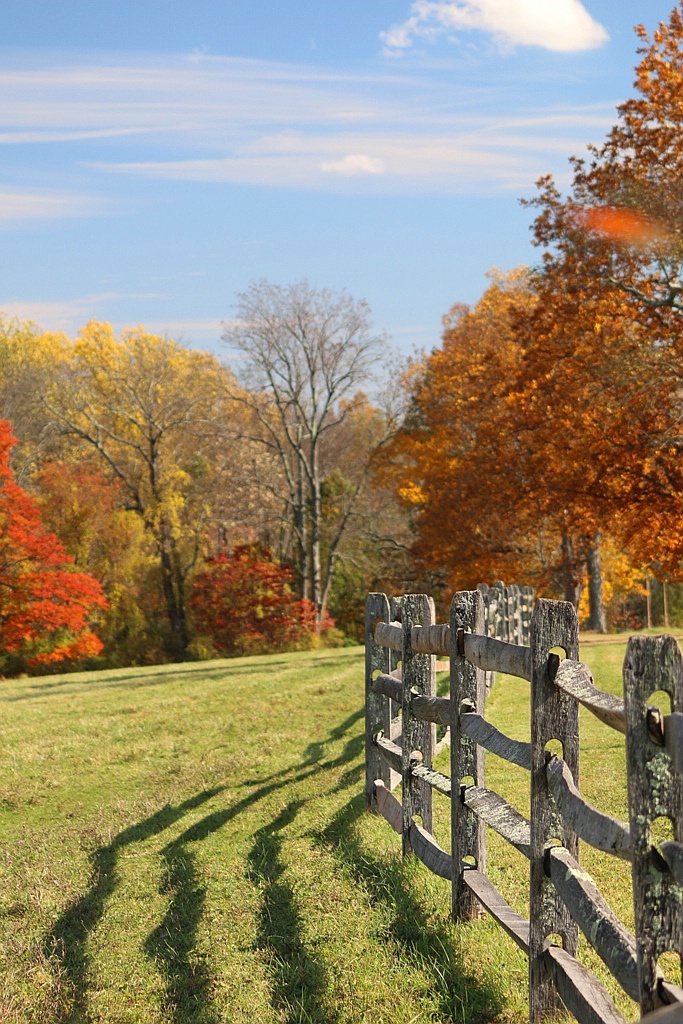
pixel 246 603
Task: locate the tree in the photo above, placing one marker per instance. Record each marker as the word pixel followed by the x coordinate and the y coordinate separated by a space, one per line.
pixel 44 604
pixel 84 506
pixel 152 413
pixel 306 353
pixel 455 462
pixel 612 261
pixel 28 360
pixel 502 454
pixel 622 223
pixel 246 603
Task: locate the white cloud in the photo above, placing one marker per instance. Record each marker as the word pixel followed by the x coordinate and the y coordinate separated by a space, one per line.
pixel 16 206
pixel 559 25
pixel 353 163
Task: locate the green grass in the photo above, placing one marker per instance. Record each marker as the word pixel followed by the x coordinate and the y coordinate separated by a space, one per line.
pixel 190 844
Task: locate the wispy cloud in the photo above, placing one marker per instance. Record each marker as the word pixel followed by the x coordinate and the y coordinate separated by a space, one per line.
pixel 499 154
pixel 21 206
pixel 71 314
pixel 228 120
pixel 559 25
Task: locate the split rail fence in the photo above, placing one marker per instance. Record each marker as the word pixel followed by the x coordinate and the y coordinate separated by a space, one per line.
pixel 562 897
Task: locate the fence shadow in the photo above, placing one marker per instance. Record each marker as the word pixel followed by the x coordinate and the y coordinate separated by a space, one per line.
pixel 427 943
pixel 172 944
pixel 67 941
pixel 298 975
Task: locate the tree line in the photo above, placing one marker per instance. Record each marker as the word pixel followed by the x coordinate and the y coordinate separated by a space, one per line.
pixel 177 486
pixel 204 506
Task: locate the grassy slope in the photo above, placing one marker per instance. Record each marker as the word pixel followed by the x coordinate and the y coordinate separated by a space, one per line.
pixel 189 843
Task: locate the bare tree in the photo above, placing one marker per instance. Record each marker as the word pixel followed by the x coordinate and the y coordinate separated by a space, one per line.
pixel 305 355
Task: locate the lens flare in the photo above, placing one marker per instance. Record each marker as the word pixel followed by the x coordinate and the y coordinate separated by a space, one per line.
pixel 621 225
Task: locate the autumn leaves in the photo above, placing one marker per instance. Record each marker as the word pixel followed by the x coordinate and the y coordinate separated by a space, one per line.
pixel 44 605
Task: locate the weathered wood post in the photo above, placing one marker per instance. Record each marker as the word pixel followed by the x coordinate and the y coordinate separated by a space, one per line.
pixel 395 615
pixel 505 609
pixel 515 604
pixel 377 707
pixel 554 715
pixel 496 610
pixel 527 609
pixel 483 590
pixel 419 676
pixel 655 789
pixel 468 683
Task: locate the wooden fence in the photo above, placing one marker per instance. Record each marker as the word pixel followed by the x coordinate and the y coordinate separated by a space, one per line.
pixel 562 897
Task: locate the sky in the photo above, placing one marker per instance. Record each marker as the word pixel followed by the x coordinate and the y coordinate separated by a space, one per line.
pixel 157 156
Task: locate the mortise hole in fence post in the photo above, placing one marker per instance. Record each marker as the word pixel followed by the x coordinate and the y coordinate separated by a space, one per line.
pixel 419 676
pixel 468 832
pixel 655 790
pixel 554 716
pixel 556 747
pixel 377 707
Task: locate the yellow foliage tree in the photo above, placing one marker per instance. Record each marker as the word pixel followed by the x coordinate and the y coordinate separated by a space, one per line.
pixel 154 415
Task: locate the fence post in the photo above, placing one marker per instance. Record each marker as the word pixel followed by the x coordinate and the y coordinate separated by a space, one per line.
pixel 394 659
pixel 554 715
pixel 468 832
pixel 483 590
pixel 655 789
pixel 515 601
pixel 419 675
pixel 527 608
pixel 377 707
pixel 496 610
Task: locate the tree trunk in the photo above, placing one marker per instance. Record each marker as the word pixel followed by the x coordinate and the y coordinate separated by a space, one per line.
pixel 572 572
pixel 316 586
pixel 173 597
pixel 301 535
pixel 596 613
pixel 666 605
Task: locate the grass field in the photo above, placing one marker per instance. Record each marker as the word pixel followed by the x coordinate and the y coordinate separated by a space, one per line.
pixel 189 844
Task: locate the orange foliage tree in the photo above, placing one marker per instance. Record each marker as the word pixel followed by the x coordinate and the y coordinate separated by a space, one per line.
pixel 44 603
pixel 456 462
pixel 610 316
pixel 552 412
pixel 505 457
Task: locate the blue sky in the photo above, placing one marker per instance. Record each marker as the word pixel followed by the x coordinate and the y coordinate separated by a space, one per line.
pixel 159 155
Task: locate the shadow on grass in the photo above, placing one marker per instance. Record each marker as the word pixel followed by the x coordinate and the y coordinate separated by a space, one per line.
pixel 299 977
pixel 426 943
pixel 314 752
pixel 134 680
pixel 172 944
pixel 68 939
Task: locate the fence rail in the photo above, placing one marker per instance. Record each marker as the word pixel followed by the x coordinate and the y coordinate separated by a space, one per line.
pixel 563 899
